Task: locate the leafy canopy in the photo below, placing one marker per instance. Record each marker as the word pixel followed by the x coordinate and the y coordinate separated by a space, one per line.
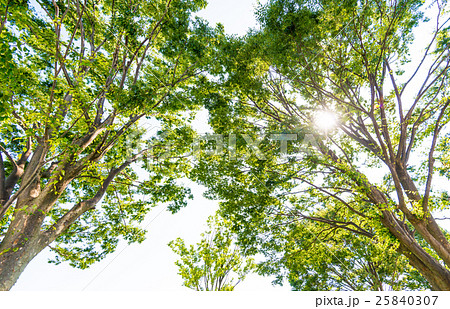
pixel 360 193
pixel 79 83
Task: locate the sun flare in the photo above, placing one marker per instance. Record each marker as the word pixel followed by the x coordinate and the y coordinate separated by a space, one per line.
pixel 325 120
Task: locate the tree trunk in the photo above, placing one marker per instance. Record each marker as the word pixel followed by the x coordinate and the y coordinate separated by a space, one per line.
pixel 24 238
pixel 439 279
pixel 434 272
pixel 14 259
pixel 22 242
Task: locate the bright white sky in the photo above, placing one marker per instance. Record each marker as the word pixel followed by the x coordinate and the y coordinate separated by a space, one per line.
pixel 150 265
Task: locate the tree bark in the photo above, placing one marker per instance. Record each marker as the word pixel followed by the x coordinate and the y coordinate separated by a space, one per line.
pixel 439 281
pixel 15 256
pixel 434 272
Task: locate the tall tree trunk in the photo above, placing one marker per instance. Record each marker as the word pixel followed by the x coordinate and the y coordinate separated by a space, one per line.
pixel 14 259
pixel 432 270
pixel 23 240
pixel 438 278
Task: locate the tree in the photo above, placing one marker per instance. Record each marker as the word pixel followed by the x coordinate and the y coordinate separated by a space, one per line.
pixel 215 263
pixel 313 256
pixel 371 174
pixel 77 79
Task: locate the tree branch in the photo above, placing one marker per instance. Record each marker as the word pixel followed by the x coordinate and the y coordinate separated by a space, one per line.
pixel 3 20
pixel 2 182
pixel 76 211
pixel 431 160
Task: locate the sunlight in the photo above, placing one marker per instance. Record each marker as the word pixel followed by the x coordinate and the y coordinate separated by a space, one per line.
pixel 325 120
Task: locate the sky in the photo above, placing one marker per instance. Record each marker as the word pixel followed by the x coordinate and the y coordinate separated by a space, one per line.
pixel 150 265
